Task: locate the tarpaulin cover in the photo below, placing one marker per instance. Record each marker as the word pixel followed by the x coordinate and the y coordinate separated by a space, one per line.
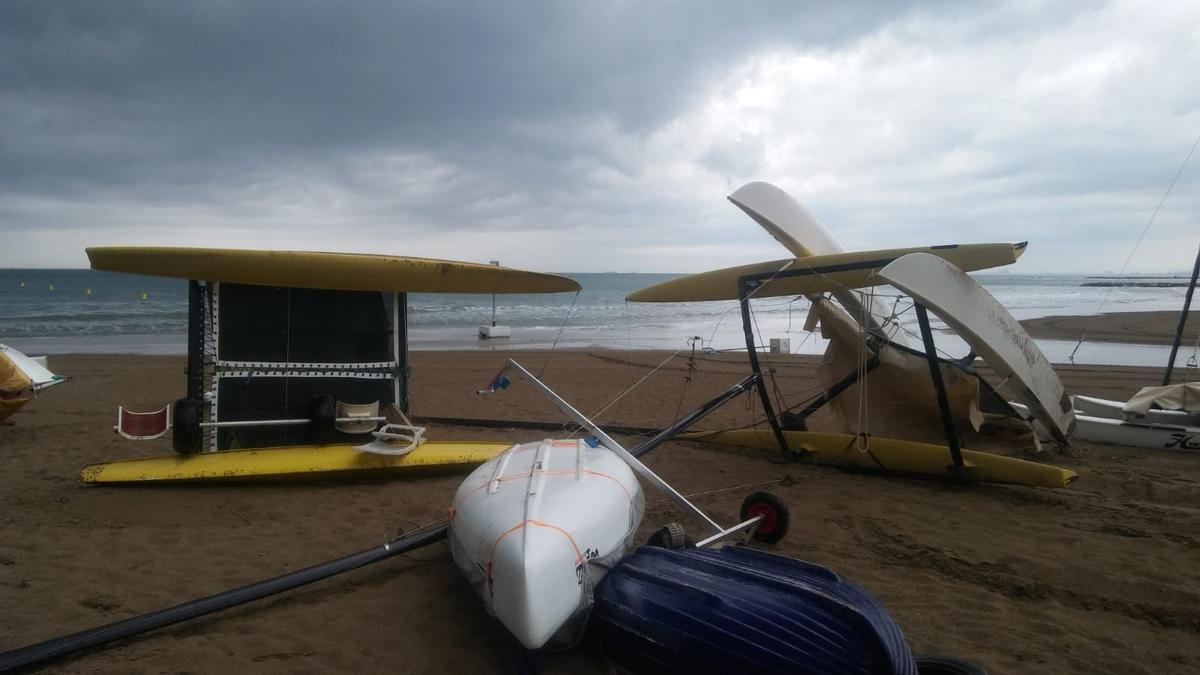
pixel 901 402
pixel 13 380
pixel 1185 396
pixel 739 610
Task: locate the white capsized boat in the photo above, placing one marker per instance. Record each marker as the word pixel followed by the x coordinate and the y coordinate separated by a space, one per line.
pixel 1116 423
pixel 1136 434
pixel 537 527
pixel 1115 410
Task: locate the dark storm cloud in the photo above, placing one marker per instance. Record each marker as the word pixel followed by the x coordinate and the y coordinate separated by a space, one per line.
pixel 607 133
pixel 167 92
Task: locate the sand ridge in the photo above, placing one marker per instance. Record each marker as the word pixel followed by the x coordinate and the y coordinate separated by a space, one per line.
pixel 1143 328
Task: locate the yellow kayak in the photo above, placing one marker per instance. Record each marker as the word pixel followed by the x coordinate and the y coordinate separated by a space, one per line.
pixel 891 454
pixel 722 284
pixel 301 461
pixel 339 271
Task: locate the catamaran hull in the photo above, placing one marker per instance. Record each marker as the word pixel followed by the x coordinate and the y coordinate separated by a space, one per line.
pixel 1114 410
pixel 896 455
pixel 1138 435
pixel 537 527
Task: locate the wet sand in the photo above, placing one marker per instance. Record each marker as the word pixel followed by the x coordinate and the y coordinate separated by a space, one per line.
pixel 1100 577
pixel 1143 328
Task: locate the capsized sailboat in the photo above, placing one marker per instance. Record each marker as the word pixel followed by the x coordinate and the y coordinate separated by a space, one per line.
pixel 536 528
pixel 1165 417
pixel 841 274
pixel 22 376
pixel 295 359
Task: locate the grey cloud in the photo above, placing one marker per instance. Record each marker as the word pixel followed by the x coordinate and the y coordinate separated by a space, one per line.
pixel 134 90
pixel 580 126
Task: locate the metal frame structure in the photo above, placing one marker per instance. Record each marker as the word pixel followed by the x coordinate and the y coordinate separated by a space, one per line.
pixel 1183 316
pixel 205 368
pixel 750 283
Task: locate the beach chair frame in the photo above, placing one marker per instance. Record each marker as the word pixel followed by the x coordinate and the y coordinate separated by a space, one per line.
pixel 143 426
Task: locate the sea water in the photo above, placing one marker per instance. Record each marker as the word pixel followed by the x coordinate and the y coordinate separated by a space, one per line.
pixel 87 311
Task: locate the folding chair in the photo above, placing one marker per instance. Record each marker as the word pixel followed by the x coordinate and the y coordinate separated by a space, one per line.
pixel 357 418
pixel 143 426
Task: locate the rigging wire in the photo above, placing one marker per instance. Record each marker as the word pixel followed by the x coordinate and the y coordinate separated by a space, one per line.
pixel 766 359
pixel 687 378
pixel 596 415
pixel 558 336
pixel 1128 258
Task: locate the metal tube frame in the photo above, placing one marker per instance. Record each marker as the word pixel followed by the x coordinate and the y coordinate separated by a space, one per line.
pixel 749 527
pixel 1183 315
pixel 749 283
pixel 939 387
pixel 282 423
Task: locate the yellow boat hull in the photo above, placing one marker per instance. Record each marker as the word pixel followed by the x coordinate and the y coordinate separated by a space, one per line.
pixel 722 284
pixel 341 271
pixel 891 454
pixel 304 461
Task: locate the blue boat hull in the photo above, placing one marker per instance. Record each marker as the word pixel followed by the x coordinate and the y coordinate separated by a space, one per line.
pixel 739 610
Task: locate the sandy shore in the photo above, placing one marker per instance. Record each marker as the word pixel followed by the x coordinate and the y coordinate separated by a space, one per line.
pixel 1100 577
pixel 1144 328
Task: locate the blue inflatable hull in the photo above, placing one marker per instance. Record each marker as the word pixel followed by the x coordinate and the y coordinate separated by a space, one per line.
pixel 738 610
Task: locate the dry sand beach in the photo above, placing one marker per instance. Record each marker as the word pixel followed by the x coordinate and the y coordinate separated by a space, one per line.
pixel 1097 578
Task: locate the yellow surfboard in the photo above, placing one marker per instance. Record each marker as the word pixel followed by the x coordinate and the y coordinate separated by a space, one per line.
pixel 302 461
pixel 333 271
pixel 891 454
pixel 722 284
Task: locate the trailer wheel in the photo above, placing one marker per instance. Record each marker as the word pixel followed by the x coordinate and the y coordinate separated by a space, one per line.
pixel 323 418
pixel 774 524
pixel 186 434
pixel 671 536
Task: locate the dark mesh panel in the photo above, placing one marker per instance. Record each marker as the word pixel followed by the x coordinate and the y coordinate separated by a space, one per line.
pixel 253 323
pixel 339 326
pixel 261 324
pixel 270 398
pixel 300 325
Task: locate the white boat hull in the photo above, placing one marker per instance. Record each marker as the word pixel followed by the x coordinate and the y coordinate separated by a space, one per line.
pixel 786 219
pixel 535 529
pixel 1114 410
pixel 1133 434
pixel 991 331
pixel 34 368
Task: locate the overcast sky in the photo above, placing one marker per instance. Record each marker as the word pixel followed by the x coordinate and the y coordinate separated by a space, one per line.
pixel 593 136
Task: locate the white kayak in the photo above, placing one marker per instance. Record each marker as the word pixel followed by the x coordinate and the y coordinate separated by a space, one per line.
pixel 537 527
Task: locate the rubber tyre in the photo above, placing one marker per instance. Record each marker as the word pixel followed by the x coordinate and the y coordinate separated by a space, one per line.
pixel 186 435
pixel 775 526
pixel 323 413
pixel 947 665
pixel 671 536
